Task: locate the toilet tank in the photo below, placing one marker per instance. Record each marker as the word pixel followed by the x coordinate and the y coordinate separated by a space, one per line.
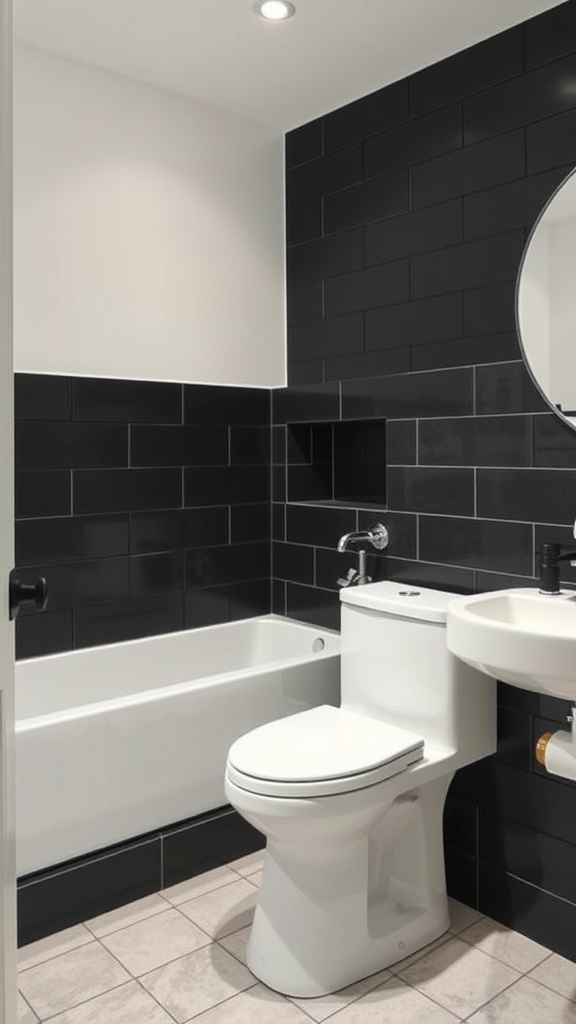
pixel 396 666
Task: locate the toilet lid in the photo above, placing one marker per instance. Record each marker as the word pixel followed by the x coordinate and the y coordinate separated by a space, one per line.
pixel 320 751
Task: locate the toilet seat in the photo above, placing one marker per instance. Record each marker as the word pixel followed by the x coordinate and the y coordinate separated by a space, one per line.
pixel 320 752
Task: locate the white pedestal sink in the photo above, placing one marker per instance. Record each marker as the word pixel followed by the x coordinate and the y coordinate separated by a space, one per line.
pixel 522 637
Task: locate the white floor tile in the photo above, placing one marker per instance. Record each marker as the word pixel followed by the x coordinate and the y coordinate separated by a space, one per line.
pixel 394 1003
pixel 139 910
pixel 196 982
pixel 459 977
pixel 53 945
pixel 461 916
pixel 25 1015
pixel 69 979
pixel 558 974
pixel 155 941
pixel 237 942
pixel 224 910
pixel 402 965
pixel 526 1002
pixel 510 947
pixel 257 1005
pixel 324 1006
pixel 126 1005
pixel 255 879
pixel 199 885
pixel 250 864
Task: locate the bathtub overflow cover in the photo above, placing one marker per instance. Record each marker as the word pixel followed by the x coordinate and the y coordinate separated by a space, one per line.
pixel 318 645
pixel 409 593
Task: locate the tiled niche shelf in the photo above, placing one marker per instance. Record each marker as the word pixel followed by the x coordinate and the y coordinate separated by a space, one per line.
pixel 337 463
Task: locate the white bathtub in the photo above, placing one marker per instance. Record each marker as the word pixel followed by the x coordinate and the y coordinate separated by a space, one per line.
pixel 112 742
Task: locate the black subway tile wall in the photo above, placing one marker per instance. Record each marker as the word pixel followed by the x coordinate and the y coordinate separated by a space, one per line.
pixel 407 215
pixel 145 505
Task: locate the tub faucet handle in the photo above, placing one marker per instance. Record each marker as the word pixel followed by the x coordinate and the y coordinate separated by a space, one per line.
pixel 350 578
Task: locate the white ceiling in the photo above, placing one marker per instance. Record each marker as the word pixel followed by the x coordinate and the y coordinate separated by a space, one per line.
pixel 284 74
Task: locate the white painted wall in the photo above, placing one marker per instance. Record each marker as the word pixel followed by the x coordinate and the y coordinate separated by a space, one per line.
pixel 149 231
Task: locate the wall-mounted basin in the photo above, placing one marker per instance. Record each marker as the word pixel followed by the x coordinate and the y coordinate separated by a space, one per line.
pixel 522 637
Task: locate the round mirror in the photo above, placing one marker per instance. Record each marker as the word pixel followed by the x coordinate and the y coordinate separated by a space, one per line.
pixel 546 301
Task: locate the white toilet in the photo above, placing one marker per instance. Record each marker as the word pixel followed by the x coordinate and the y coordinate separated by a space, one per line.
pixel 351 798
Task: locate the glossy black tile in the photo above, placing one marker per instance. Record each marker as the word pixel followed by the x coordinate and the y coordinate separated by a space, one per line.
pixel 543 803
pixel 428 136
pixel 278 521
pixel 278 483
pixel 537 495
pixel 528 98
pixel 304 143
pixel 468 170
pixel 416 322
pixel 118 490
pixel 486 581
pixel 299 443
pixel 419 489
pixel 515 205
pixel 309 604
pixel 306 403
pixel 366 116
pixel 278 597
pixel 554 442
pixel 321 526
pixel 178 446
pixel 491 348
pixel 449 578
pixel 72 584
pixel 366 289
pixel 401 442
pixel 418 231
pixel 304 303
pixel 471 265
pixel 311 371
pixel 409 395
pixel 371 364
pixel 44 633
pixel 156 574
pixel 507 388
pixel 42 493
pixel 249 445
pixel 178 529
pixel 235 563
pixel 250 599
pixel 56 899
pixel 207 607
pixel 127 620
pixel 46 445
pixel 205 403
pixel 293 562
pixel 476 441
pixel 71 539
pixel 126 401
pixel 312 261
pixel 249 523
pixel 205 843
pixel 220 485
pixel 42 397
pixel 304 222
pixel 335 336
pixel 310 483
pixel 550 35
pixel 360 462
pixel 461 876
pixel 460 825
pixel 278 445
pixel 515 744
pixel 532 856
pixel 402 527
pixel 551 143
pixel 371 201
pixel 491 310
pixel 528 909
pixel 467 72
pixel 327 174
pixel 477 544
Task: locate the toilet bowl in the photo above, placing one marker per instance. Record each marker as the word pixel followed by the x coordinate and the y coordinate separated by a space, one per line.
pixel 351 798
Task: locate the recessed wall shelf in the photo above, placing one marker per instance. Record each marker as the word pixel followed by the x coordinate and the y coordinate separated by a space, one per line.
pixel 340 463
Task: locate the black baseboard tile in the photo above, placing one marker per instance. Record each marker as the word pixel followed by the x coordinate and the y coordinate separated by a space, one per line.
pixel 547 919
pixel 461 876
pixel 78 890
pixel 206 842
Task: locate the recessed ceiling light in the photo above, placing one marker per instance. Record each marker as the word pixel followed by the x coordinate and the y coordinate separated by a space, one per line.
pixel 274 10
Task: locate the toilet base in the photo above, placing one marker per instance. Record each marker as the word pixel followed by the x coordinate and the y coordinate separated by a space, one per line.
pixel 327 917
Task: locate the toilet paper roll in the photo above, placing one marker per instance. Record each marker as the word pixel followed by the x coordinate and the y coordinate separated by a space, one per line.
pixel 560 755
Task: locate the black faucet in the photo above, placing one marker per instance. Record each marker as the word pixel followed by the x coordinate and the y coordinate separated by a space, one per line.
pixel 550 557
